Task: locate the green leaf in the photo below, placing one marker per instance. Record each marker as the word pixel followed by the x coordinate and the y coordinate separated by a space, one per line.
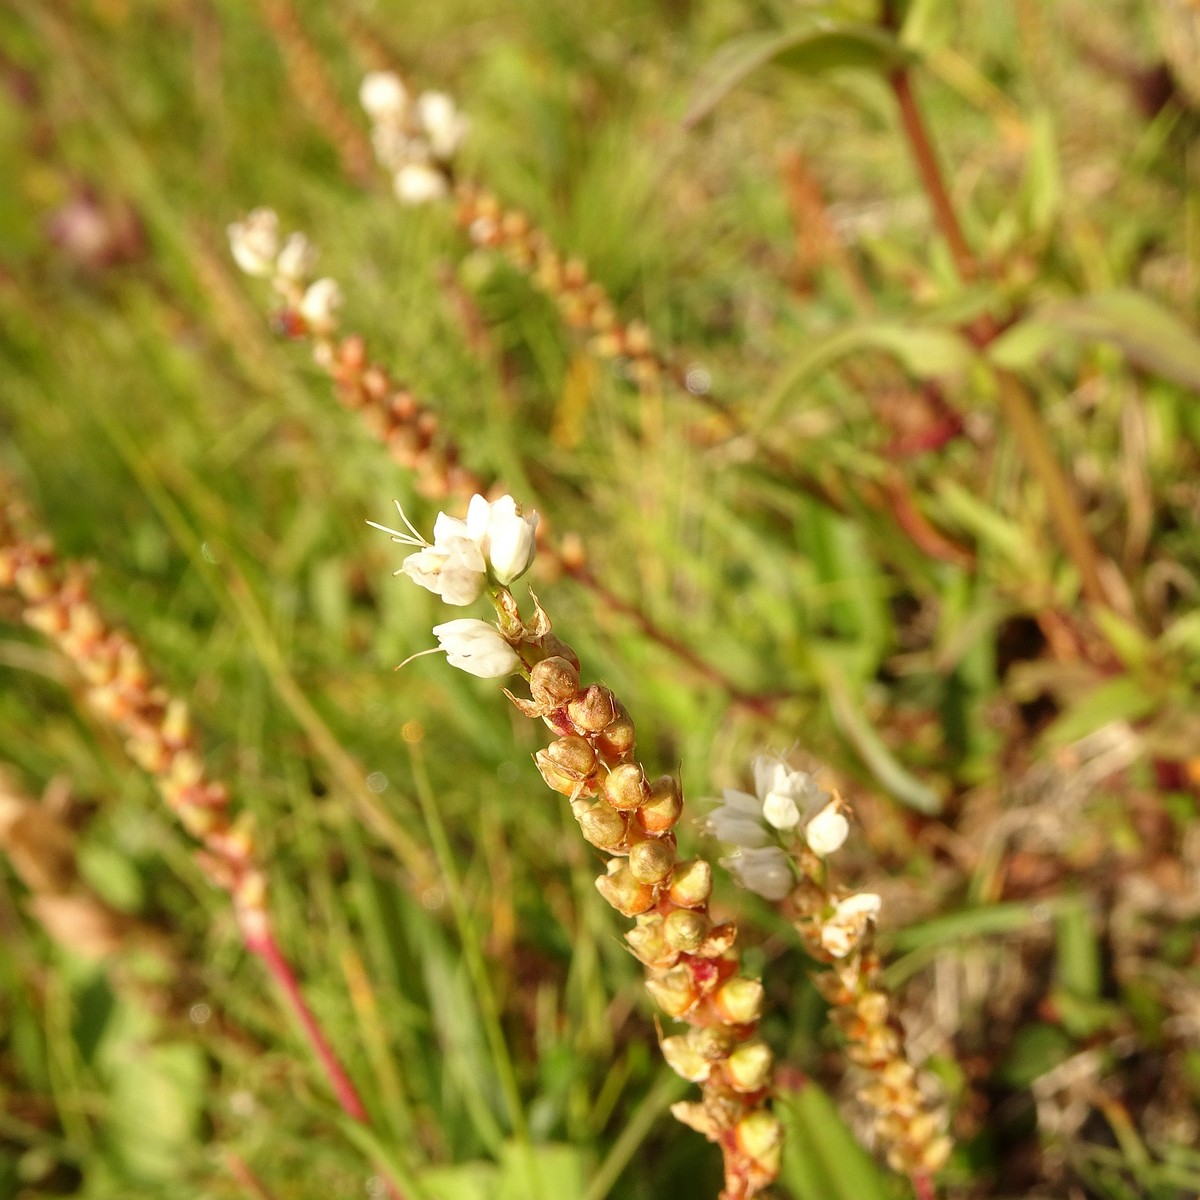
pixel 927 352
pixel 1079 967
pixel 1036 1049
pixel 1041 189
pixel 822 1160
pixel 811 46
pixel 929 25
pixel 1149 333
pixel 1123 699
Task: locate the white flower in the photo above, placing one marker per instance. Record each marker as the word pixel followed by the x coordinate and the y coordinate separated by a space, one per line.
pixel 444 125
pixel 738 821
pixel 452 568
pixel 297 259
pixel 845 929
pixel 476 647
pixel 319 305
pixel 510 542
pixel 495 538
pixel 254 241
pixel 419 183
pixel 384 97
pixel 826 832
pixel 767 871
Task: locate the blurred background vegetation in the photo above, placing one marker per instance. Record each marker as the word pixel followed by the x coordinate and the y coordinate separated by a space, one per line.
pixel 860 550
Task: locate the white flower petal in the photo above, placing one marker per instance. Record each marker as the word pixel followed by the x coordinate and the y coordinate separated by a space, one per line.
pixel 254 241
pixel 780 810
pixel 297 259
pixel 319 305
pixel 767 872
pixel 384 96
pixel 418 183
pixel 476 647
pixel 827 831
pixel 737 828
pixel 743 802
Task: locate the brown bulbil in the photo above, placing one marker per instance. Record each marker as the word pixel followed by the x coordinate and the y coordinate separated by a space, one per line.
pixel 553 681
pixel 569 783
pixel 625 893
pixel 674 991
pixel 651 862
pixel 661 811
pixel 617 738
pixel 691 885
pixel 684 929
pixel 603 826
pixel 625 787
pixel 573 755
pixel 646 940
pixel 592 709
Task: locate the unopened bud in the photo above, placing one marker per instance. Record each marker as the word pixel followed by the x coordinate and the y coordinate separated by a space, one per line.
pixel 684 1061
pixel 673 991
pixel 625 893
pixel 574 755
pixel 748 1068
pixel 739 1001
pixel 873 1007
pixel 646 940
pixel 691 885
pixel 759 1136
pixel 553 681
pixel 660 812
pixel 713 1043
pixel 651 862
pixel 685 930
pixel 625 787
pixel 603 826
pixel 593 709
pixel 618 736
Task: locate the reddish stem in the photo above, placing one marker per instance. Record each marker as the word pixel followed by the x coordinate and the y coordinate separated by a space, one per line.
pixel 267 948
pixel 923 1187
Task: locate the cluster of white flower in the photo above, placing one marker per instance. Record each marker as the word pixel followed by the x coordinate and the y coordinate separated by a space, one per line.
pixel 415 140
pixel 495 545
pixel 258 250
pixel 765 829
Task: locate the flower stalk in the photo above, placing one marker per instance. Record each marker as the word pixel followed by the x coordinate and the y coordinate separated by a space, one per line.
pixel 56 600
pixel 782 836
pixel 412 431
pixel 693 969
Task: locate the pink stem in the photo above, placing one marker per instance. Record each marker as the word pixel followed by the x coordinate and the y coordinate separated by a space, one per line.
pixel 262 942
pixel 923 1187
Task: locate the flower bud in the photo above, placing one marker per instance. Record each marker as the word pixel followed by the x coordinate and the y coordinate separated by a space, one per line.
pixel 685 930
pixel 827 831
pixel 748 1068
pixel 651 862
pixel 660 812
pixel 603 826
pixel 553 682
pixel 625 787
pixel 625 893
pixel 647 942
pixel 617 738
pixel 691 885
pixel 297 259
pixel 558 778
pixel 673 991
pixel 759 1136
pixel 739 1001
pixel 712 1043
pixel 510 540
pixel 574 755
pixel 873 1007
pixel 593 709
pixel 684 1061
